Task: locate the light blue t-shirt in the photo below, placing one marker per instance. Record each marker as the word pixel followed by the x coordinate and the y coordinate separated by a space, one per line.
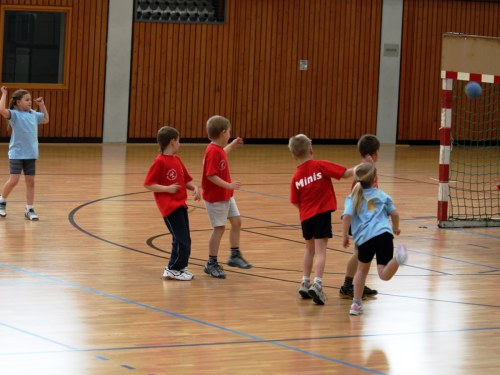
pixel 24 139
pixel 373 218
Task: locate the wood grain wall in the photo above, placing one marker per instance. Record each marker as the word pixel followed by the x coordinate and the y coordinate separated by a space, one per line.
pixel 76 113
pixel 424 22
pixel 248 70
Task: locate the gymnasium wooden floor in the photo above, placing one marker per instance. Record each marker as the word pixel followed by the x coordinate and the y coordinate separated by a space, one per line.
pixel 81 291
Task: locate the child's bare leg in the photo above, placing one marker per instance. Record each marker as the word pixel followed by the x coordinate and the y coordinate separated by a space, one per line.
pixel 386 272
pixel 320 257
pixel 234 232
pixel 30 189
pixel 308 258
pixel 10 184
pixel 214 242
pixel 360 279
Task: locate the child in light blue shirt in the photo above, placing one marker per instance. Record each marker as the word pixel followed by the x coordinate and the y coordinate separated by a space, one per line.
pixel 23 146
pixel 367 211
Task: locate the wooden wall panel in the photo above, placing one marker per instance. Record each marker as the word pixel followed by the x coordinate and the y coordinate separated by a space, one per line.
pixel 248 70
pixel 424 22
pixel 76 113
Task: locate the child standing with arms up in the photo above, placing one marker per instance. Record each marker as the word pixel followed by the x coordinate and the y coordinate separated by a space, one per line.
pixel 168 178
pixel 311 191
pixel 218 196
pixel 367 212
pixel 23 145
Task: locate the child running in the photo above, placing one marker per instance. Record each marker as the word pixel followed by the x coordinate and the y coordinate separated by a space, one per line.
pixel 366 212
pixel 218 196
pixel 168 178
pixel 23 145
pixel 311 191
pixel 368 147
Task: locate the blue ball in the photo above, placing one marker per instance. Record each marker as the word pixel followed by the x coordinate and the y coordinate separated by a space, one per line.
pixel 473 90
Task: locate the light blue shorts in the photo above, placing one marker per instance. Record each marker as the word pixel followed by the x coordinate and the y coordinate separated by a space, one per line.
pixel 219 212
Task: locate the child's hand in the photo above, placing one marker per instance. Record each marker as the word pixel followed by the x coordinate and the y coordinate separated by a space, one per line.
pixel 235 185
pixel 237 142
pixel 4 90
pixel 397 232
pixel 197 193
pixel 39 101
pixel 345 241
pixel 172 189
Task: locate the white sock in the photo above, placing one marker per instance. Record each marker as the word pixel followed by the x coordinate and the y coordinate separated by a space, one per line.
pixel 28 207
pixel 2 199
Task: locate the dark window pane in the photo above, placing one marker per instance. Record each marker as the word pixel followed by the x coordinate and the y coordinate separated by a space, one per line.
pixel 33 47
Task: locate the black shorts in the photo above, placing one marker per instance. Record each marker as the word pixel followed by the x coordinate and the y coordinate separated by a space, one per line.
pixel 381 245
pixel 318 226
pixel 26 165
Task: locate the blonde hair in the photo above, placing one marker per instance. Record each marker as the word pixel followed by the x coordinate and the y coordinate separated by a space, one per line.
pixel 299 145
pixel 365 176
pixel 216 125
pixel 17 95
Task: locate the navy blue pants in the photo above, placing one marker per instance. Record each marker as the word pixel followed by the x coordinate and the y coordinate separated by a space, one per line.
pixel 178 225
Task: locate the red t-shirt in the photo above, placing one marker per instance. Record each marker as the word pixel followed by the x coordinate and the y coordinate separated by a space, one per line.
pixel 168 170
pixel 312 188
pixel 215 164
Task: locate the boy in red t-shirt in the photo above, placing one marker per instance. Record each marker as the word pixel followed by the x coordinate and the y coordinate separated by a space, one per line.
pixel 311 191
pixel 368 147
pixel 218 196
pixel 168 178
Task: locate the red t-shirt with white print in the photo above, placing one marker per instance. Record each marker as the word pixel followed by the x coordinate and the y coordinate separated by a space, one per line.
pixel 168 170
pixel 312 188
pixel 215 164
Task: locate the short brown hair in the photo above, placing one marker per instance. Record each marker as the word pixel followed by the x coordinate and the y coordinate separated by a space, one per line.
pixel 216 125
pixel 165 135
pixel 368 144
pixel 299 145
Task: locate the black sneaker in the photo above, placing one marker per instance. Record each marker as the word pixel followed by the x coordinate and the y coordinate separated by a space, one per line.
pixel 3 209
pixel 348 293
pixel 369 292
pixel 214 270
pixel 238 261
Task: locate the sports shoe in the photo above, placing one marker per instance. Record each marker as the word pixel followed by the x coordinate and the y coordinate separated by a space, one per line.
pixel 31 215
pixel 177 275
pixel 185 270
pixel 348 293
pixel 215 270
pixel 238 261
pixel 401 254
pixel 304 290
pixel 3 209
pixel 316 293
pixel 368 292
pixel 356 309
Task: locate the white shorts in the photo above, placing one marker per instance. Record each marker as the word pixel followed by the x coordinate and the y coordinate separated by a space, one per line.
pixel 219 212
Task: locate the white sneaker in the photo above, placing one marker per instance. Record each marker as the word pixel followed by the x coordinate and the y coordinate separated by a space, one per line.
pixel 185 270
pixel 177 275
pixel 31 215
pixel 401 255
pixel 356 309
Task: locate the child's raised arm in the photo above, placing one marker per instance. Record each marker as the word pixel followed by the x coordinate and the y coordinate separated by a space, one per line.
pixel 235 143
pixel 41 104
pixel 4 112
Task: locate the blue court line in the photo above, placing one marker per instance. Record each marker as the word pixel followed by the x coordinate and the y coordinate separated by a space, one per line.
pixel 37 336
pixel 183 317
